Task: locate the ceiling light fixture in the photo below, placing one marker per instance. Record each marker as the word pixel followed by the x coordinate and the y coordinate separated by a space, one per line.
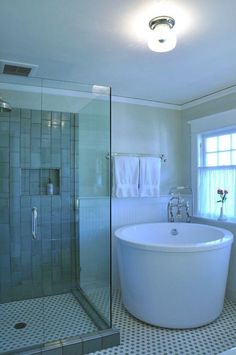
pixel 162 36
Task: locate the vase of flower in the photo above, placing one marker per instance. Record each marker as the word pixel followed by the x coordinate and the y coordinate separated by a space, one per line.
pixel 222 200
pixel 222 217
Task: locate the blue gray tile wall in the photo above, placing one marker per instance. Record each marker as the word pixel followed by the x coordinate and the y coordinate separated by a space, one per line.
pixel 35 146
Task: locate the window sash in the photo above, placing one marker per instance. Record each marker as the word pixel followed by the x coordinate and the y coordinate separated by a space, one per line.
pixel 209 180
pixel 204 152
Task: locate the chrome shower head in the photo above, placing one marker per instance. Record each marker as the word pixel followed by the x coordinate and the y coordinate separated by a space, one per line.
pixel 4 106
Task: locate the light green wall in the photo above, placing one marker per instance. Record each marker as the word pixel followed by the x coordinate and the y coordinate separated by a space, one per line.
pixel 210 107
pixel 150 130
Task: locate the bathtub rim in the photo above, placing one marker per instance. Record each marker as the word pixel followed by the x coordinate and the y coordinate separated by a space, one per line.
pixel 220 243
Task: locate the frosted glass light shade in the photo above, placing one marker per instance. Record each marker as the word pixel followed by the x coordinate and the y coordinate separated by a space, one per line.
pixel 162 38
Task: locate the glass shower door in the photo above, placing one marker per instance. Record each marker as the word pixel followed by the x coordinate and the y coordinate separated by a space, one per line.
pixel 54 151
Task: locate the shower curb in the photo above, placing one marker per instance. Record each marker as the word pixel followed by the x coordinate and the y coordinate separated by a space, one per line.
pixel 79 345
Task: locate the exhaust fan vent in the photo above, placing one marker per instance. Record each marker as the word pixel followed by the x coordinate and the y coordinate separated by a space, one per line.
pixel 14 68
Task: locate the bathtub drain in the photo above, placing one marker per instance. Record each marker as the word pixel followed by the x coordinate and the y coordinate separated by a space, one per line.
pixel 174 231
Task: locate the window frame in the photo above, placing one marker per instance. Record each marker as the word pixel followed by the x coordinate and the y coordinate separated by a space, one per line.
pixel 214 133
pixel 215 123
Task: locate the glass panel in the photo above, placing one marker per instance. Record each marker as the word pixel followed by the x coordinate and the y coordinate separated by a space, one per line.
pixel 63 104
pixel 211 144
pixel 234 157
pixel 224 142
pixel 224 158
pixel 94 196
pixel 234 141
pixel 211 159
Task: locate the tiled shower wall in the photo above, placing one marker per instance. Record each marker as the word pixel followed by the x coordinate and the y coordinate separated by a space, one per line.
pixel 34 145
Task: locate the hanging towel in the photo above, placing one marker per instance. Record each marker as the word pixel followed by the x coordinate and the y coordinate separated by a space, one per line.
pixel 125 176
pixel 150 168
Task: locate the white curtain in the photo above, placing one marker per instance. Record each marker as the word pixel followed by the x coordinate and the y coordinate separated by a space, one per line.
pixel 209 180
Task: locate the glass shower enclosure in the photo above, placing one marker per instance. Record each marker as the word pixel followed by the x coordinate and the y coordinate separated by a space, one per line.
pixel 55 282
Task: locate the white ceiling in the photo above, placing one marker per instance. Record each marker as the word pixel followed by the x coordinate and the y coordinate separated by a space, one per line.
pixel 104 42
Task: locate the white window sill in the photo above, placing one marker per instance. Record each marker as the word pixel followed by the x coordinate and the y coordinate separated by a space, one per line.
pixel 215 220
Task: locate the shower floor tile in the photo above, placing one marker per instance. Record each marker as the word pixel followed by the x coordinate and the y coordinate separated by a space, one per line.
pixel 138 338
pixel 47 319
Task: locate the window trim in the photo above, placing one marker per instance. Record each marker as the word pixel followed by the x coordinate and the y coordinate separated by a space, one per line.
pixel 218 122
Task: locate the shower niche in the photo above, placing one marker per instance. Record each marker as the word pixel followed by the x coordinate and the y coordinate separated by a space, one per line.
pixel 36 182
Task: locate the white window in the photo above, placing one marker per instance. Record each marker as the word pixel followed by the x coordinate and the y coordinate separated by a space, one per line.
pixel 216 170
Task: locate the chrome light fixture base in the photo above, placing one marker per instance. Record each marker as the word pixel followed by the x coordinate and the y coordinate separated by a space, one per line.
pixel 161 20
pixel 162 37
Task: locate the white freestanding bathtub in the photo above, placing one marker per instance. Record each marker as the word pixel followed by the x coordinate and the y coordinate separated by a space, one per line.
pixel 173 275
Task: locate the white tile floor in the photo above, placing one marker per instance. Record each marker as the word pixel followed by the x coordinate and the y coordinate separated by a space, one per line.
pixel 47 318
pixel 138 338
pixel 65 318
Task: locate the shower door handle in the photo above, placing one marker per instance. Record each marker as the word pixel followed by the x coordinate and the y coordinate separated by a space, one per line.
pixel 76 203
pixel 34 222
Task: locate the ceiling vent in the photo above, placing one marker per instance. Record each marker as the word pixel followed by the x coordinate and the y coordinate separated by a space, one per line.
pixel 15 68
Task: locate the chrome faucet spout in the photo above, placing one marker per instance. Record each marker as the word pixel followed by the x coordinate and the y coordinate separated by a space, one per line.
pixel 170 216
pixel 187 213
pixel 180 206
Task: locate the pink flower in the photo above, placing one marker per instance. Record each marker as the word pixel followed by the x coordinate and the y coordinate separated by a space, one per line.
pixel 222 194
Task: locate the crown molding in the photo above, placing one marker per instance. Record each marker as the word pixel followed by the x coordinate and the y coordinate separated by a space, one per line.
pixel 121 99
pixel 210 97
pixel 142 102
pixel 181 107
